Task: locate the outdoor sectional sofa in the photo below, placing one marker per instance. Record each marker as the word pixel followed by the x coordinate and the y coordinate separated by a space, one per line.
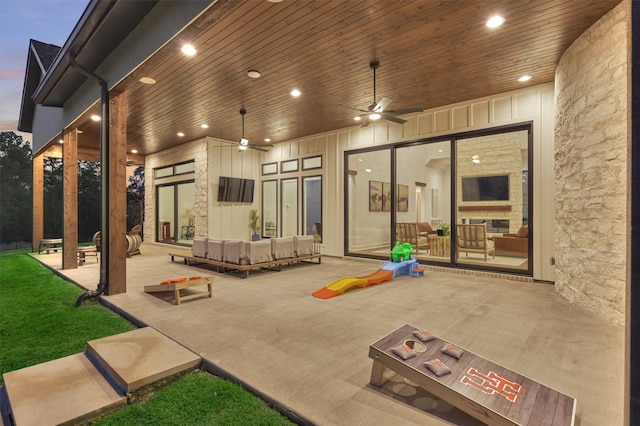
pixel 243 256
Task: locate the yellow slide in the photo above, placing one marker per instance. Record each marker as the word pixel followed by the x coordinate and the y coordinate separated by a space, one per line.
pixel 341 285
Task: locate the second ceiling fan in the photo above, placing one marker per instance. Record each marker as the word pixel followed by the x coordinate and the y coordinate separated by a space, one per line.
pixel 378 110
pixel 244 143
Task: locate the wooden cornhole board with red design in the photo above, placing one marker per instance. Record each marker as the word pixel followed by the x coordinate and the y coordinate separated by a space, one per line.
pixel 483 389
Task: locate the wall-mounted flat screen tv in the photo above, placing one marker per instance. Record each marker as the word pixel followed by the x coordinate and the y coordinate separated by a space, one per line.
pixel 235 190
pixel 485 188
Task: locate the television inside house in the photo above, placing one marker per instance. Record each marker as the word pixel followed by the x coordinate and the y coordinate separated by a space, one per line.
pixel 235 190
pixel 485 188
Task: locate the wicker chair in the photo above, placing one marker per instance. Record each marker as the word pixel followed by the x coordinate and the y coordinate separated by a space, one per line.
pixel 473 239
pixel 408 233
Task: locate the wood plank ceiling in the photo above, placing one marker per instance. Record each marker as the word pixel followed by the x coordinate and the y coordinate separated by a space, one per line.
pixel 431 53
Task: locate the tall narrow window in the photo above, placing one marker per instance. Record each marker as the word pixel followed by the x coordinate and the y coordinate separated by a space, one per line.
pixel 289 207
pixel 270 208
pixel 312 205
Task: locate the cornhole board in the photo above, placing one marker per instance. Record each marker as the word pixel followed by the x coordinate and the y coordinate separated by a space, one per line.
pixel 481 388
pixel 176 287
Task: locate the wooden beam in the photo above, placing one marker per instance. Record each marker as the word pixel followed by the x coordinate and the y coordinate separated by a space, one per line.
pixel 84 154
pixel 117 199
pixel 70 200
pixel 37 232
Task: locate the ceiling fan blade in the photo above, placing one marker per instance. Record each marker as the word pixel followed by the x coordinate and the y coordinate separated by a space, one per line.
pixel 380 106
pixel 405 110
pixel 258 148
pixel 353 109
pixel 394 119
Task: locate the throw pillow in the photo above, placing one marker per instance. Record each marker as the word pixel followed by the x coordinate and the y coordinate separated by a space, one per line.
pixel 424 227
pixel 523 232
pixel 437 367
pixel 404 352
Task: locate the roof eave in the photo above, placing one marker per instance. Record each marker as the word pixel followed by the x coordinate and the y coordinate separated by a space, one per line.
pixel 101 28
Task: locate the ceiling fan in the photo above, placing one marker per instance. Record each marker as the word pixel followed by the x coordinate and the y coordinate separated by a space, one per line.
pixel 379 110
pixel 244 142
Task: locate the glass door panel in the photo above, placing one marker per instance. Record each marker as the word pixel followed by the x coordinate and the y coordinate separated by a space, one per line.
pixel 493 201
pixel 166 214
pixel 312 205
pixel 185 199
pixel 289 207
pixel 423 185
pixel 270 208
pixel 175 213
pixel 368 225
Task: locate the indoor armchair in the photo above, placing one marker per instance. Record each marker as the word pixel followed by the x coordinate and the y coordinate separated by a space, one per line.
pixel 473 239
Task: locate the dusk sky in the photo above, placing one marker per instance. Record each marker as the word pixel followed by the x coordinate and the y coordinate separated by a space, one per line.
pixel 48 21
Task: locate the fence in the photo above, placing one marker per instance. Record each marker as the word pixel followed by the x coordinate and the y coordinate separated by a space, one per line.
pixel 14 245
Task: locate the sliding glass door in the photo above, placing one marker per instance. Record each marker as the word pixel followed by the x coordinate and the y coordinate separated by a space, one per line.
pixel 492 199
pixel 175 214
pixel 463 201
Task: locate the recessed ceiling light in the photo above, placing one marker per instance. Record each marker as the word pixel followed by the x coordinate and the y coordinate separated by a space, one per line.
pixel 495 21
pixel 189 50
pixel 267 140
pixel 60 141
pixel 524 78
pixel 274 1
pixel 204 126
pixel 295 93
pixel 475 159
pixel 368 170
pixel 254 74
pixel 134 151
pixel 180 134
pixel 357 118
pixel 441 150
pixel 95 117
pixel 147 80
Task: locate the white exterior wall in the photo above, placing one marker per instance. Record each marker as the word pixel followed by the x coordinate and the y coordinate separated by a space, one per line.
pixel 533 104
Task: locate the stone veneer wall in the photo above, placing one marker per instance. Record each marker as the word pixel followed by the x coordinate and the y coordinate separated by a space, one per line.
pixel 196 151
pixel 591 167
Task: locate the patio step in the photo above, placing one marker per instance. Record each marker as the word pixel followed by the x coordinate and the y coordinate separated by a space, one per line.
pixel 84 386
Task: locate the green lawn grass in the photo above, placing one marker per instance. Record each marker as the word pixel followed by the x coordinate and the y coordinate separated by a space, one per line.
pixel 39 322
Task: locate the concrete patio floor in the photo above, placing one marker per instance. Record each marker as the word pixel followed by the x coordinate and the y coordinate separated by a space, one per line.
pixel 311 355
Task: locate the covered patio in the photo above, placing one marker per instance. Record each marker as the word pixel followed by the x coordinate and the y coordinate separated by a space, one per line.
pixel 310 356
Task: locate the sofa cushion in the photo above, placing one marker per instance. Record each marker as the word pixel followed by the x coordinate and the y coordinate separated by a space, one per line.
pixel 523 232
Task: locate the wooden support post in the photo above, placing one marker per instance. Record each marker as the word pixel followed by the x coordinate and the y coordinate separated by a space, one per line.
pixel 70 200
pixel 117 207
pixel 37 232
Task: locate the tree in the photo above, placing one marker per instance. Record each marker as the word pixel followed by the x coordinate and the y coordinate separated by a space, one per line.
pixel 88 199
pixel 53 201
pixel 16 178
pixel 135 198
